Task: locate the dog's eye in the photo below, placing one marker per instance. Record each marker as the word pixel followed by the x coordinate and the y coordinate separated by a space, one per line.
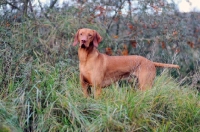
pixel 81 34
pixel 89 35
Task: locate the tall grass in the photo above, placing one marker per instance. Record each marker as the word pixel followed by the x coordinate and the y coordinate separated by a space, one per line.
pixel 54 102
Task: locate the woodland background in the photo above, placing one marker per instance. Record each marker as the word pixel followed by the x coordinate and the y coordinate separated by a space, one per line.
pixel 36 52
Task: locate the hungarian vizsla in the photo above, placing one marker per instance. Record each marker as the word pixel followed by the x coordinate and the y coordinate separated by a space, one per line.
pixel 100 70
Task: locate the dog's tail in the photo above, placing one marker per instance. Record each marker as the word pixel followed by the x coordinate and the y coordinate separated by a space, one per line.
pixel 166 65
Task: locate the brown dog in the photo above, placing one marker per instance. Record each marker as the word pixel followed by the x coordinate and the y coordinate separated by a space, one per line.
pixel 99 70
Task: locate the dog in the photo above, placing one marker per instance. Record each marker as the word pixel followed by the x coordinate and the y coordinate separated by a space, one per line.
pixel 100 70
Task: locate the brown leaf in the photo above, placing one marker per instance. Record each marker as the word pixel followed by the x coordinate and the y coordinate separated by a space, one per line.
pixel 161 3
pixel 119 12
pixel 133 43
pixel 144 26
pixel 148 41
pixel 101 10
pixel 191 44
pixel 108 51
pixel 130 26
pixel 177 50
pixel 115 36
pixel 7 24
pixel 163 45
pixel 125 50
pixel 175 33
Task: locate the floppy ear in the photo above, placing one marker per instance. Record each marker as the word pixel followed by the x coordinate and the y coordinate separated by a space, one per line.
pixel 76 38
pixel 97 38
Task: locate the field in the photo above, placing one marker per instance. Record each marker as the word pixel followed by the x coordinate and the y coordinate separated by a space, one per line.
pixel 40 90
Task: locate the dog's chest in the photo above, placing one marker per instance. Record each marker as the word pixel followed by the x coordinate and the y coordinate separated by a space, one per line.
pixel 86 71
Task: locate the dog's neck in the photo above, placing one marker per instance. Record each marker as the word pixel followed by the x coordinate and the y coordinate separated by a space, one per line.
pixel 85 53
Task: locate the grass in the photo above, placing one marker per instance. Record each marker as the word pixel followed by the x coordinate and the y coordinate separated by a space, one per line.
pixel 52 100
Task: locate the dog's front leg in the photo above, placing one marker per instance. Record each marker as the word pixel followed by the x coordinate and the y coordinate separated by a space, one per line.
pixel 84 86
pixel 97 91
pixel 97 85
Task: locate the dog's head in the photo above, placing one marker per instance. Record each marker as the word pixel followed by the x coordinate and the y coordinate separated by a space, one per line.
pixel 87 36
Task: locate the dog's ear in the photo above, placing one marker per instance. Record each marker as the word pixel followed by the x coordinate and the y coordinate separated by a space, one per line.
pixel 97 38
pixel 76 38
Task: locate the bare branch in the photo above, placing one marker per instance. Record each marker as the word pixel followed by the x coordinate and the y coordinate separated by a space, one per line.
pixel 52 3
pixel 12 5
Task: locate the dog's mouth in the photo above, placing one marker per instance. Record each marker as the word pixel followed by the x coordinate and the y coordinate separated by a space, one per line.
pixel 83 46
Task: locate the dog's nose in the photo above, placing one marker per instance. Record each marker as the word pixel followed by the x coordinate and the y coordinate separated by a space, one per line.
pixel 83 41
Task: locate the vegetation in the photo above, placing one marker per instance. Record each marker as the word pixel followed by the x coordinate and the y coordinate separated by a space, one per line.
pixel 39 84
